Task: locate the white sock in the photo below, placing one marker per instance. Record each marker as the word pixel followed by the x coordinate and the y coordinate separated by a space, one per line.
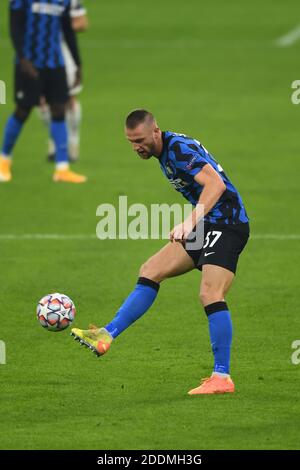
pixel 62 166
pixel 220 374
pixel 73 119
pixel 5 157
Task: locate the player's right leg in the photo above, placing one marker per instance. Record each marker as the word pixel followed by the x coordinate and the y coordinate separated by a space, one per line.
pixel 26 96
pixel 12 131
pixel 219 262
pixel 172 260
pixel 215 283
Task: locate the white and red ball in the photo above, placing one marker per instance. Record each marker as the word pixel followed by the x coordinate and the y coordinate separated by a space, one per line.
pixel 55 312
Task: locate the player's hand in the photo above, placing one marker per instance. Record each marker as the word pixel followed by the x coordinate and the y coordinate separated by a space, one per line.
pixel 28 68
pixel 180 232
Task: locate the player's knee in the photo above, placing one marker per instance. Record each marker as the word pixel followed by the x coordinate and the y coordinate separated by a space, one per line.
pixel 151 271
pixel 22 113
pixel 210 294
pixel 58 112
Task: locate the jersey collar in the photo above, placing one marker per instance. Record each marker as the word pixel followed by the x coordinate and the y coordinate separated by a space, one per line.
pixel 163 136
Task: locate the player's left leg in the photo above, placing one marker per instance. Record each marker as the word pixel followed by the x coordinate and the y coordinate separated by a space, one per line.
pixel 73 121
pixel 60 137
pixel 55 91
pixel 45 115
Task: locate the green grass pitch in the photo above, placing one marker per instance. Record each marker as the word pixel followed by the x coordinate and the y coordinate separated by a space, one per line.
pixel 213 71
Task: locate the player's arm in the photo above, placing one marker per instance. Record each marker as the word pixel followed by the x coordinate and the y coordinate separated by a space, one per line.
pixel 70 38
pixel 17 19
pixel 80 23
pixel 213 188
pixel 78 15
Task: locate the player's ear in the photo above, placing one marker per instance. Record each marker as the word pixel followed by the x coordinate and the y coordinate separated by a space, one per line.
pixel 156 129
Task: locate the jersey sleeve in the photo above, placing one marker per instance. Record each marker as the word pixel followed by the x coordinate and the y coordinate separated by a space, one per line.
pixel 16 5
pixel 187 160
pixel 70 38
pixel 77 9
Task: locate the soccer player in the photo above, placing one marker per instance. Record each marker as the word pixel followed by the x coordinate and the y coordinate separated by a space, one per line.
pixel 202 181
pixel 79 23
pixel 36 28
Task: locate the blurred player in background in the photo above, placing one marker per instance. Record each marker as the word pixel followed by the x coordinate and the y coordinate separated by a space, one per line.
pixel 79 23
pixel 36 28
pixel 192 170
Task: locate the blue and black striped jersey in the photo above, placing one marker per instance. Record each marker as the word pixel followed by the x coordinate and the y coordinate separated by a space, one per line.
pixel 181 159
pixel 42 30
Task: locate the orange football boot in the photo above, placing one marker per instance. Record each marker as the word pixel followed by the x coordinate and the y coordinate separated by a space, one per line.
pixel 68 176
pixel 5 173
pixel 214 384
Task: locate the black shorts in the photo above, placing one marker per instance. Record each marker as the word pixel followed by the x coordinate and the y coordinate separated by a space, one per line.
pixel 51 83
pixel 222 245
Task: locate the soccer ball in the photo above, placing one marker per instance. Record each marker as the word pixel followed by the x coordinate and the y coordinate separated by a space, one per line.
pixel 55 312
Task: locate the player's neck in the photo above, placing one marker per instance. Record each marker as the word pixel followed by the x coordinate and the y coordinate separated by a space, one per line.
pixel 160 145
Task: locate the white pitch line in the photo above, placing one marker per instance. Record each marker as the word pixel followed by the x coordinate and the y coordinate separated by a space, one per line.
pixel 274 236
pixel 61 236
pixel 290 38
pixel 46 236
